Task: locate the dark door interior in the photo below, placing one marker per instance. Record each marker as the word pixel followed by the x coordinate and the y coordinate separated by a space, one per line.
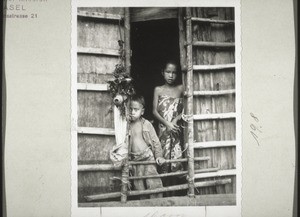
pixel 152 44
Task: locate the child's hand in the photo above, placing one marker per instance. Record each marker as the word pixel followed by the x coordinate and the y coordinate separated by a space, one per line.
pixel 160 161
pixel 128 117
pixel 172 127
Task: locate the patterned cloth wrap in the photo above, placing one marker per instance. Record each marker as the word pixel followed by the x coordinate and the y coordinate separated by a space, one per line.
pixel 118 154
pixel 169 108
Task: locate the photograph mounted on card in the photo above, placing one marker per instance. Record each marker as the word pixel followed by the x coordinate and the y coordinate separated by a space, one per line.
pixel 156 107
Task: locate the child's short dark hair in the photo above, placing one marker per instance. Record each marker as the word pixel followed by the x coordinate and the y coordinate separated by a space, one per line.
pixel 173 62
pixel 138 98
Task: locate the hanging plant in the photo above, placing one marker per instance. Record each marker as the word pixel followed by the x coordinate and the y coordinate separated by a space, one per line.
pixel 121 87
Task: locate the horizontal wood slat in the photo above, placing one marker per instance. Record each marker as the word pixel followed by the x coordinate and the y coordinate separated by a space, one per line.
pixel 159 175
pixel 213 44
pixel 92 87
pixel 152 13
pixel 198 200
pixel 206 20
pixel 97 167
pixel 215 174
pixel 157 190
pixel 99 15
pixel 175 173
pixel 111 167
pixel 103 196
pixel 213 67
pixel 214 144
pixel 214 116
pixel 180 187
pixel 96 131
pixel 169 161
pixel 98 51
pixel 213 92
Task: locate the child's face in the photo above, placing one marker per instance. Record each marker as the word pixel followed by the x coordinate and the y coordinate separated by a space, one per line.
pixel 170 73
pixel 136 110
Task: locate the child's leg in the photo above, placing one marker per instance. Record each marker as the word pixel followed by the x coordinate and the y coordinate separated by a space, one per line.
pixel 139 170
pixel 153 183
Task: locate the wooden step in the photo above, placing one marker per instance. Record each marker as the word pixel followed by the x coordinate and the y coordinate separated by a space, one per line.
pixel 206 20
pixel 214 116
pixel 98 51
pixel 97 167
pixel 214 44
pixel 213 92
pixel 214 144
pixel 219 173
pixel 99 15
pixel 96 131
pixel 214 67
pixel 92 87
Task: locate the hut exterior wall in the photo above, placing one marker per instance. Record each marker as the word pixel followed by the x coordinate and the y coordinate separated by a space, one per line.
pixel 213 80
pixel 95 108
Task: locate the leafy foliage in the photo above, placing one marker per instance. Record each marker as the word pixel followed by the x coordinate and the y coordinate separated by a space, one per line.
pixel 121 85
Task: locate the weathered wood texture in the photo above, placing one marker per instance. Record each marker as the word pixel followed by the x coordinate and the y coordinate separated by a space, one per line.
pixel 182 39
pixel 94 148
pixel 95 108
pixel 145 14
pixel 202 200
pixel 214 80
pixel 204 184
pixel 90 183
pixel 189 103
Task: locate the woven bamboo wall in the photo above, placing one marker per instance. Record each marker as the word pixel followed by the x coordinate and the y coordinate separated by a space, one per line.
pixel 95 107
pixel 213 80
pixel 215 130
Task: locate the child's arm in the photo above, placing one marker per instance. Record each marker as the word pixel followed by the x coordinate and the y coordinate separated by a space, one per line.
pixel 170 126
pixel 157 150
pixel 158 154
pixel 175 120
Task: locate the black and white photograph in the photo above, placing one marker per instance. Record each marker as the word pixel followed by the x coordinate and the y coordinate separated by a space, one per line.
pixel 149 108
pixel 156 107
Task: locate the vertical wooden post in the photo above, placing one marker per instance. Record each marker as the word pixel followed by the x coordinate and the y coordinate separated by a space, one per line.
pixel 125 169
pixel 189 90
pixel 182 37
pixel 127 40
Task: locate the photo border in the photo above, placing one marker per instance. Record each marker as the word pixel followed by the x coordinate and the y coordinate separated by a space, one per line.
pixel 207 211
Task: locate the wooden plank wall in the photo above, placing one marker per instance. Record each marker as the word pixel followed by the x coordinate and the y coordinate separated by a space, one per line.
pixel 145 14
pixel 214 130
pixel 95 108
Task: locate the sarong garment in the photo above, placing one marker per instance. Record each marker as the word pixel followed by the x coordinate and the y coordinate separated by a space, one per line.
pixel 169 108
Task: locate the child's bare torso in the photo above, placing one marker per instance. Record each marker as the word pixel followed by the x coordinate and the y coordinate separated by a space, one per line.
pixel 137 141
pixel 175 91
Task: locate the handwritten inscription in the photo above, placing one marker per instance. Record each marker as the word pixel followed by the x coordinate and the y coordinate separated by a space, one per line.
pixel 256 128
pixel 157 214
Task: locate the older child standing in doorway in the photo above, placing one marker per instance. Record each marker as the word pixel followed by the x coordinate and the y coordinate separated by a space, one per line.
pixel 167 109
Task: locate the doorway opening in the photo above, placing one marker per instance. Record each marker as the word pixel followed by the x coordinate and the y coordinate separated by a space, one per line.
pixel 152 43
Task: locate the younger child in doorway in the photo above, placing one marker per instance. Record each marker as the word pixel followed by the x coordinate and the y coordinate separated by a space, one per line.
pixel 145 146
